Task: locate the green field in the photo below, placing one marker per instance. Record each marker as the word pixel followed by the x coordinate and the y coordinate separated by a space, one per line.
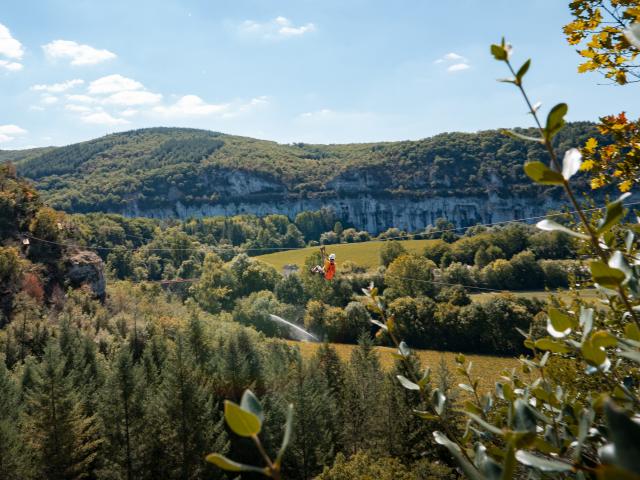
pixel 366 254
pixel 588 294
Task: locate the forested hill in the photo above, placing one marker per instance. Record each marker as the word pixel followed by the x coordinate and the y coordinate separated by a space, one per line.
pixel 160 167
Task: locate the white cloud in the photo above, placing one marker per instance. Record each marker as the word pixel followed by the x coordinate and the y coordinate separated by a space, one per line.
pixel 191 105
pixel 114 83
pixel 129 112
pixel 81 98
pixel 72 107
pixel 9 132
pixel 58 87
pixel 103 118
pixel 78 54
pixel 10 48
pixel 279 27
pixel 49 99
pixel 454 57
pixel 458 67
pixel 455 62
pixel 133 98
pixel 11 66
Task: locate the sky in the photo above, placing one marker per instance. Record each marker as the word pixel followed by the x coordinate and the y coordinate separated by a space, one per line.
pixel 316 71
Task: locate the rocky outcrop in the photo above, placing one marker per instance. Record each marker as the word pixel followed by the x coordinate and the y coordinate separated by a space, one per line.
pixel 86 268
pixel 374 214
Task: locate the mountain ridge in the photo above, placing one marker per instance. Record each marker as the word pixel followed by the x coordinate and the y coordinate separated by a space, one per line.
pixel 176 172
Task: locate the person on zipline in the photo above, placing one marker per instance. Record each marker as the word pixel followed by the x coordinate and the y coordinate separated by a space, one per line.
pixel 329 268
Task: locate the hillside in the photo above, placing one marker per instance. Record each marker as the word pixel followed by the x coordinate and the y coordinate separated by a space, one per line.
pixel 171 172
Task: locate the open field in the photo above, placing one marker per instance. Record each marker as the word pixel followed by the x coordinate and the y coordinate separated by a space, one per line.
pixel 588 294
pixel 366 254
pixel 487 368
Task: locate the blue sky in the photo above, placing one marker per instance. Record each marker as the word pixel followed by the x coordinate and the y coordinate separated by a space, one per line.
pixel 329 71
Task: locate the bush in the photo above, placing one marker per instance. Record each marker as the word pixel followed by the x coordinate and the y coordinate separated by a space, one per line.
pixel 555 273
pixel 391 250
pixel 498 274
pixel 362 466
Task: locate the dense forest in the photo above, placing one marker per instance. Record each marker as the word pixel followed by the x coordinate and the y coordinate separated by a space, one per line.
pixel 159 166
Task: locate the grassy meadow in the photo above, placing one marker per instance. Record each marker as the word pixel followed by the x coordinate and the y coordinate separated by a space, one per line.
pixel 366 254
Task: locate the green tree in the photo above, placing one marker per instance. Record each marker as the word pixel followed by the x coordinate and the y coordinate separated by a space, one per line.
pixel 289 289
pixel 363 395
pixel 411 276
pixel 391 250
pixel 62 439
pixel 193 424
pixel 122 413
pixel 215 289
pixel 13 461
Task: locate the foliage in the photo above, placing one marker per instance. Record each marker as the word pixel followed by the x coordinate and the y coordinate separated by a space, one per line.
pixel 616 162
pixel 600 29
pixel 536 421
pixel 156 168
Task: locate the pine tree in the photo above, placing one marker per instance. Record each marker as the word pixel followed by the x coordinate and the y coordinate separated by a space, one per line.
pixel 185 405
pixel 407 435
pixel 363 395
pixel 328 363
pixel 12 458
pixel 122 413
pixel 313 421
pixel 62 438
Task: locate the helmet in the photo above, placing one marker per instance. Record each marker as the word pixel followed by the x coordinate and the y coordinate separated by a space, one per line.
pixel 332 256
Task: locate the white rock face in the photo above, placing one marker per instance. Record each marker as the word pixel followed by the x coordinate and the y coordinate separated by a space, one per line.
pixel 365 212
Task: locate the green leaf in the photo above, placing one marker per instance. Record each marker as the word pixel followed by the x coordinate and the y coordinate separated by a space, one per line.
pixel 520 136
pixel 379 324
pixel 523 70
pixel 615 212
pixel 438 400
pixel 551 345
pixel 540 173
pixel 509 463
pixel 624 434
pixel 593 354
pixel 491 469
pixel 224 463
pixel 633 355
pixel 241 422
pixel 425 377
pixel 550 226
pixel 541 463
pixel 606 276
pixel 571 163
pixel 560 320
pixel 484 424
pixel 499 52
pixel 286 438
pixel 406 383
pixel 632 332
pixel 603 339
pixel 633 35
pixel 469 470
pixel 404 350
pixel 525 416
pixel 618 261
pixel 250 403
pixel 425 415
pixel 555 120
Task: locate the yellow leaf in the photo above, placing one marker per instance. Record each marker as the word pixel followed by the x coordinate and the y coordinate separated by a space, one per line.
pixel 591 145
pixel 626 186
